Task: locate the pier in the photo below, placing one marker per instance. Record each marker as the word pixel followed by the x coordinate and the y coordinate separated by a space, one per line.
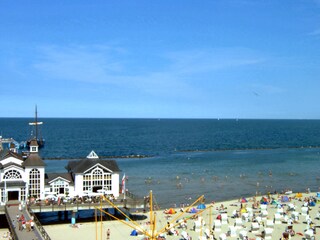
pixel 131 201
pixel 13 213
pixel 75 207
pixel 26 189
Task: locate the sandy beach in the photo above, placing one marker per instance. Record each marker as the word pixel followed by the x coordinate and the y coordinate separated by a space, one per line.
pixel 3 233
pixel 272 219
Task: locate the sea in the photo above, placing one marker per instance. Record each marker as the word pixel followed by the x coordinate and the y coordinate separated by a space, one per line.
pixel 182 159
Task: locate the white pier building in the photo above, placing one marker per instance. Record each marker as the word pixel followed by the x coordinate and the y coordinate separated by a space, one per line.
pixel 21 179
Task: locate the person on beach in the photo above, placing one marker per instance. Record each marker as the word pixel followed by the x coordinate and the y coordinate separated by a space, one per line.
pixel 13 224
pixel 28 226
pixel 108 234
pixel 32 224
pixel 20 224
pixel 285 236
pixel 23 224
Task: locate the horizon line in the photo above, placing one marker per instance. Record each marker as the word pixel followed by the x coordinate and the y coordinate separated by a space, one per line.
pixel 165 118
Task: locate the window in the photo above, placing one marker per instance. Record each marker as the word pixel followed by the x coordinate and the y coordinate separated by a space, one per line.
pixel 3 195
pixel 97 179
pixel 23 194
pixel 59 187
pixel 12 174
pixel 34 183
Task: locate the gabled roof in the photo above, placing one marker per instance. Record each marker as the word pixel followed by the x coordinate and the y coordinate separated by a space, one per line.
pixel 34 160
pixel 6 154
pixel 93 155
pixel 10 165
pixel 50 177
pixel 85 164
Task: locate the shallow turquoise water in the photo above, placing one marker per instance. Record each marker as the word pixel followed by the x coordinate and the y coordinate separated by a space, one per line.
pixel 182 177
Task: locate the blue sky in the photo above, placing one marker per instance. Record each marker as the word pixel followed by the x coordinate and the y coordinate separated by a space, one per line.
pixel 160 58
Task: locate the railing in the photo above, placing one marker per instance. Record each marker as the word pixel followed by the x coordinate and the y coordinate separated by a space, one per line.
pixel 64 206
pixel 41 229
pixel 11 227
pixel 135 203
pixel 131 195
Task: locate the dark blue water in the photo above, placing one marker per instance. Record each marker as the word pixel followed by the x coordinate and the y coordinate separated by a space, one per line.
pixel 122 137
pixel 221 159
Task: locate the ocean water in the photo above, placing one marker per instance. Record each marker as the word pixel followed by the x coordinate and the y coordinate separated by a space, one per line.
pixel 186 158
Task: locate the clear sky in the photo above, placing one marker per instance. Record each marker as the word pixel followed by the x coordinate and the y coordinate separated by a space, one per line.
pixel 160 58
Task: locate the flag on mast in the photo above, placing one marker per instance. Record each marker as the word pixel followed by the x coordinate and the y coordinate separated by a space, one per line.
pixel 123 184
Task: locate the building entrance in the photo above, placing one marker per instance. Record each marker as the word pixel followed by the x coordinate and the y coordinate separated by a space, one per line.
pixel 13 195
pixel 96 188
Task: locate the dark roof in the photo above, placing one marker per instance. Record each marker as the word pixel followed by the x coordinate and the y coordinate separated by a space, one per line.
pixel 13 184
pixel 10 164
pixel 51 176
pixel 6 154
pixel 34 142
pixel 81 166
pixel 34 160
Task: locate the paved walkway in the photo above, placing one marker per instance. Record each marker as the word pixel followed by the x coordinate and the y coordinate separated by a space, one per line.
pixel 13 211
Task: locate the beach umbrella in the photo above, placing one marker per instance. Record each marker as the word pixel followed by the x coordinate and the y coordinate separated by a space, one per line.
pixel 193 210
pixel 243 210
pixel 171 211
pixel 244 200
pixel 134 233
pixel 284 199
pixel 201 206
pixel 264 200
pixel 312 204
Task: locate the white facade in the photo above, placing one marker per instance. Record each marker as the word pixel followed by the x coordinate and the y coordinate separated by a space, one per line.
pixel 35 178
pixel 17 181
pixel 97 179
pixel 24 178
pixel 78 184
pixel 60 187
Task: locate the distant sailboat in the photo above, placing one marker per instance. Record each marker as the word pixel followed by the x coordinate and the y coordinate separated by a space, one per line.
pixel 37 134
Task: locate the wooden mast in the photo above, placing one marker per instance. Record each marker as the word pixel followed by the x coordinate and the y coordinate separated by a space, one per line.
pixel 36 128
pixel 36 122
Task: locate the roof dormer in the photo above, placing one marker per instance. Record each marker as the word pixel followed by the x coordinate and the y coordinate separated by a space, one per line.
pixel 12 147
pixel 34 147
pixel 92 155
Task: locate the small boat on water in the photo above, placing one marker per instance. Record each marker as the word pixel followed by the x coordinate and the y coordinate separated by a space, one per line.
pixel 36 133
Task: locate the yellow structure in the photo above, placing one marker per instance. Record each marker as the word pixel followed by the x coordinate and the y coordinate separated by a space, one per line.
pixel 152 233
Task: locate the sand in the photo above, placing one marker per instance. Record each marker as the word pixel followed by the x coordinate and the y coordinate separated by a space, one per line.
pixel 3 232
pixel 122 231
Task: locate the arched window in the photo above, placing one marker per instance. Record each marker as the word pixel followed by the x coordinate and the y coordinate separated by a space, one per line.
pixel 97 179
pixel 12 174
pixel 34 183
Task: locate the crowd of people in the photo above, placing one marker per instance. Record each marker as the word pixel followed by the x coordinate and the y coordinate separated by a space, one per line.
pixel 53 200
